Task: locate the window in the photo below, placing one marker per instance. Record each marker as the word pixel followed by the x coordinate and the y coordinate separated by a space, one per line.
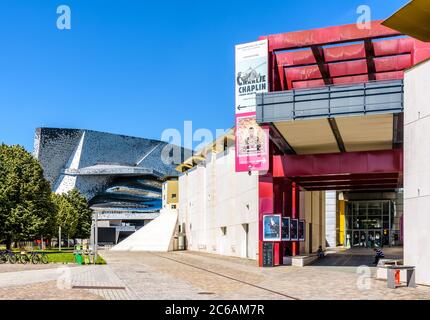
pixel 173 195
pixel 224 231
pixel 173 206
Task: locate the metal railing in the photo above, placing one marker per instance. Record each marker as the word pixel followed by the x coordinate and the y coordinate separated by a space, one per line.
pixel 331 101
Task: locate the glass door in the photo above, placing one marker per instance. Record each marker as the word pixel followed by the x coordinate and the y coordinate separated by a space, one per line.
pixel 370 239
pixel 378 238
pixel 362 238
pixel 356 238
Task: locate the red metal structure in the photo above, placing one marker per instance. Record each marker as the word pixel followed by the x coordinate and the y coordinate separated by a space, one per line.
pixel 340 55
pixel 332 56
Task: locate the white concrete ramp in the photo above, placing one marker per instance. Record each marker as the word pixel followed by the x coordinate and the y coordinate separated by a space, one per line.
pixel 155 236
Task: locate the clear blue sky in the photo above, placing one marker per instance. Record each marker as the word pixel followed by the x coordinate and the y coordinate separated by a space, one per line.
pixel 138 67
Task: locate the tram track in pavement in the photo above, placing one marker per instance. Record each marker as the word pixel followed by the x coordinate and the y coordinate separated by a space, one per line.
pixel 228 277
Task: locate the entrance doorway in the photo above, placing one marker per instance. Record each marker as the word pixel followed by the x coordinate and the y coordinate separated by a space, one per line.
pixel 370 224
pixel 366 238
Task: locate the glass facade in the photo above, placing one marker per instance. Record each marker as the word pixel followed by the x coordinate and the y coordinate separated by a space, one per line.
pixel 371 224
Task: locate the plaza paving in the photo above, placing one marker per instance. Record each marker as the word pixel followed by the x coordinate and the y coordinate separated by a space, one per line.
pixel 188 275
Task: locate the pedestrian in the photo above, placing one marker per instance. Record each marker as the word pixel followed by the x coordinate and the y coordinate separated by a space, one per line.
pixel 320 252
pixel 378 255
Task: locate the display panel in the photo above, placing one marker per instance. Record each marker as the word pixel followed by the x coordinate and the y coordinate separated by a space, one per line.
pixel 285 229
pixel 294 232
pixel 301 230
pixel 272 228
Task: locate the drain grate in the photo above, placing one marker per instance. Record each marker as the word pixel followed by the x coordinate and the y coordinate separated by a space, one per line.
pixel 206 293
pixel 141 272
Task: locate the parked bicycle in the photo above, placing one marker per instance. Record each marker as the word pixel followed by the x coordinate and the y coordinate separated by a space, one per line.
pixel 8 256
pixel 22 257
pixel 38 257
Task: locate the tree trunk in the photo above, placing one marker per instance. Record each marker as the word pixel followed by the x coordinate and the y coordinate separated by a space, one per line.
pixel 8 243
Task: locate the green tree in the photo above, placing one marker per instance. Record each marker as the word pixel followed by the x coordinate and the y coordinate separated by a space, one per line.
pixel 26 209
pixel 67 216
pixel 80 203
pixel 74 215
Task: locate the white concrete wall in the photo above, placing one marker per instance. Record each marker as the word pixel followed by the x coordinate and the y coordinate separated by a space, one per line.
pixel 215 196
pixel 330 218
pixel 417 171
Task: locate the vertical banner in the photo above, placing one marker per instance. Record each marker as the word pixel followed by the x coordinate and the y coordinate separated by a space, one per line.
pixel 252 140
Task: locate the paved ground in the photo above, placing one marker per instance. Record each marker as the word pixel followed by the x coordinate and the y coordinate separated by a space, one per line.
pixel 57 281
pixel 188 275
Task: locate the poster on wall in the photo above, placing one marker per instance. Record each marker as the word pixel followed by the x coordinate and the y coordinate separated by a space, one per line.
pixel 285 229
pixel 294 232
pixel 272 228
pixel 251 74
pixel 252 145
pixel 251 77
pixel 301 230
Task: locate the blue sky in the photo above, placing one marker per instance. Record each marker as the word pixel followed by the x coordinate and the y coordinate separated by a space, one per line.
pixel 138 67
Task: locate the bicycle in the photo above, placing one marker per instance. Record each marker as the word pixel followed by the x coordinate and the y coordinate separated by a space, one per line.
pixel 8 256
pixel 3 257
pixel 38 257
pixel 22 257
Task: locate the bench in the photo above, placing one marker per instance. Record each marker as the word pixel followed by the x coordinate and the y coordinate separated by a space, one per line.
pixel 390 262
pixel 392 271
pixel 300 261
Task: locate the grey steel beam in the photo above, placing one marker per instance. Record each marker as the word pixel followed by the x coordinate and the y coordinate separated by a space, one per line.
pixel 319 58
pixel 280 141
pixel 398 130
pixel 370 58
pixel 336 133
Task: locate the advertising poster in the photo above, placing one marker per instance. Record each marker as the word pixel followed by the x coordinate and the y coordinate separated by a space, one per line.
pixel 252 145
pixel 272 228
pixel 294 232
pixel 251 74
pixel 301 230
pixel 285 229
pixel 251 77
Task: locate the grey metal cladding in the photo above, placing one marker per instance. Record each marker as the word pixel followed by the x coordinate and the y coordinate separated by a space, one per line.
pixel 331 101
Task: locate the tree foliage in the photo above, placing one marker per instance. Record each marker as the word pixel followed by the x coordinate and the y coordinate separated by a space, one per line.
pixel 26 209
pixel 73 214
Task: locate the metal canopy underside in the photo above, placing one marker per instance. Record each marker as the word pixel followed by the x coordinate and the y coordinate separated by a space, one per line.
pixel 369 170
pixel 356 133
pixel 333 119
pixel 413 20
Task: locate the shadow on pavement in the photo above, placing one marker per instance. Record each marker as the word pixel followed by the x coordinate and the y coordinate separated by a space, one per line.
pixel 355 257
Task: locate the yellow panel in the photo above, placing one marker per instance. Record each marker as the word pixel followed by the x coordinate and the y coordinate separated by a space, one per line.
pixel 309 136
pixel 341 222
pixel 413 20
pixel 366 133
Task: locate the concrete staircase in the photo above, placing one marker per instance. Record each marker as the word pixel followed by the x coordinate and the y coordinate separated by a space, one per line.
pixel 155 236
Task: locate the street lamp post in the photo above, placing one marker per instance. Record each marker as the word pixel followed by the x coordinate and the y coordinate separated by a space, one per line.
pixel 59 238
pixel 96 237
